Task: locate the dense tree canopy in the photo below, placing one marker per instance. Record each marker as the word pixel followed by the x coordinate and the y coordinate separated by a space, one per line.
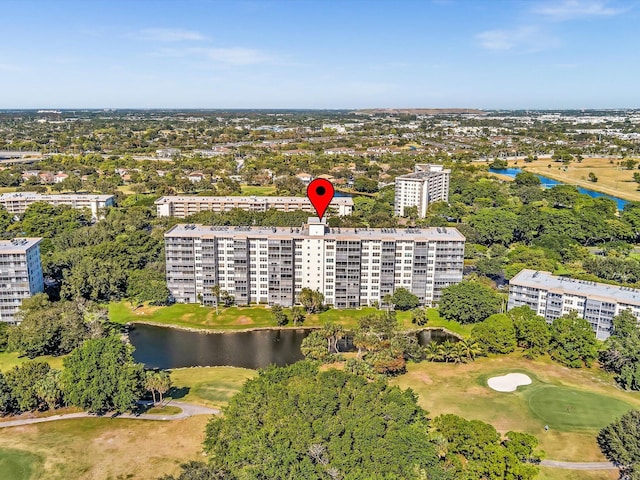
pixel 101 376
pixel 621 352
pixel 496 334
pixel 532 331
pixel 297 422
pixel 474 450
pixel 620 443
pixel 55 328
pixel 573 342
pixel 468 302
pixel 403 299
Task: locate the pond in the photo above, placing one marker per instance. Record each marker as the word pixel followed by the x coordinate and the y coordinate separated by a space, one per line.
pixel 163 347
pixel 550 182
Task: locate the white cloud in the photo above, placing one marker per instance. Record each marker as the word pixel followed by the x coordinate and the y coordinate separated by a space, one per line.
pixel 237 55
pixel 170 35
pixel 220 55
pixel 525 39
pixel 571 9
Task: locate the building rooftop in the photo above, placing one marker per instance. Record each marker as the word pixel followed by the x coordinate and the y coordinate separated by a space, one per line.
pixel 62 196
pixel 246 199
pixel 572 286
pixel 18 245
pixel 193 230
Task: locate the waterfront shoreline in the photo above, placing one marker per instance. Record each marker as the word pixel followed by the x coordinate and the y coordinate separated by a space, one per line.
pixel 256 329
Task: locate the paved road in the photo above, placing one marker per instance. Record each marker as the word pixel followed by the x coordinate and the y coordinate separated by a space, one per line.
pixel 188 410
pixel 579 465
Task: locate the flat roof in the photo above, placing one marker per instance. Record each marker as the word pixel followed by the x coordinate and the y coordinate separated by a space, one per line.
pixel 423 175
pixel 61 196
pixel 598 291
pixel 18 245
pixel 247 199
pixel 389 234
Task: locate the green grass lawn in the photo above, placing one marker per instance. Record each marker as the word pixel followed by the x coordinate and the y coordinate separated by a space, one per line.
pixel 575 403
pixel 7 189
pixel 209 386
pixel 18 464
pixel 258 190
pixel 569 409
pixel 9 360
pixel 240 318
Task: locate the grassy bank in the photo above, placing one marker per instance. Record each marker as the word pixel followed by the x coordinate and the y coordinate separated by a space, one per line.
pixel 242 318
pixel 9 360
pixel 209 386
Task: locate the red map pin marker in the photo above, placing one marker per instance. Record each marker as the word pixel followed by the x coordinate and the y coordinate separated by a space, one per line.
pixel 320 192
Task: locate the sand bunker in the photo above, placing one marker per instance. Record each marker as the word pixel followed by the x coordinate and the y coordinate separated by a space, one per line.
pixel 509 382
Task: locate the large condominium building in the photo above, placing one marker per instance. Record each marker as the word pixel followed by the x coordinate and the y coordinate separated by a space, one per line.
pixel 551 297
pixel 429 183
pixel 183 206
pixel 20 274
pixel 351 267
pixel 17 202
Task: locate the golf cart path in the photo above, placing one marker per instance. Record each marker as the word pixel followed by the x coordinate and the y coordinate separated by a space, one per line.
pixel 579 465
pixel 188 410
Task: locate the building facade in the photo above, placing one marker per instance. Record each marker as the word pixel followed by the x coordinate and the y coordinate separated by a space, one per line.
pixel 429 183
pixel 17 202
pixel 20 274
pixel 183 206
pixel 350 267
pixel 551 296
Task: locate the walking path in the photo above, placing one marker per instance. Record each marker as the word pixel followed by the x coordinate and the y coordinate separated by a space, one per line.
pixel 188 410
pixel 579 465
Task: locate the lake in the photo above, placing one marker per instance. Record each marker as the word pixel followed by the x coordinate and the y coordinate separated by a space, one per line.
pixel 163 347
pixel 550 182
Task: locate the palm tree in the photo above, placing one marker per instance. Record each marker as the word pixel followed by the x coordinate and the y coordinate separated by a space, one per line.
pixel 434 352
pixel 470 348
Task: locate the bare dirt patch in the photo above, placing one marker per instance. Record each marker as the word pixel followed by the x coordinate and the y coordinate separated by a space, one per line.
pixel 243 320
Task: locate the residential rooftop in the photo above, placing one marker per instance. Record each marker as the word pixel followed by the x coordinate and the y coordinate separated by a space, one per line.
pixel 555 284
pixel 389 234
pixel 49 196
pixel 241 199
pixel 18 245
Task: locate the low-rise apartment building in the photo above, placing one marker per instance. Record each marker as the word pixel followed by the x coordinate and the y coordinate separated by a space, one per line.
pixel 185 205
pixel 17 202
pixel 20 274
pixel 349 266
pixel 551 296
pixel 429 183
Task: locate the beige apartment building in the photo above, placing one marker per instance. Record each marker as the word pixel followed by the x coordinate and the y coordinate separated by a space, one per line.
pixel 185 205
pixel 17 202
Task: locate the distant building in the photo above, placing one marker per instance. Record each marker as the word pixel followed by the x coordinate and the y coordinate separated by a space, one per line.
pixel 167 153
pixel 60 177
pixel 17 202
pixel 350 267
pixel 184 206
pixel 195 177
pixel 304 178
pixel 551 297
pixel 429 183
pixel 20 274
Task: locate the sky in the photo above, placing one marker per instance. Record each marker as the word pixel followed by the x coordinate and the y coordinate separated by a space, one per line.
pixel 342 54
